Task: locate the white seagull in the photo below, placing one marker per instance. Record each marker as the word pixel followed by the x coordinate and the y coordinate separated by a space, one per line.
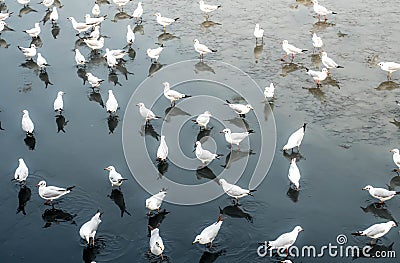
pixel 209 233
pixel 54 15
pixel 165 21
pixel 27 123
pixel 317 41
pixel 376 231
pixel 202 49
pixel 162 151
pixel 380 193
pixel 121 3
pixel 146 113
pixel 205 156
pixel 117 53
pixel 259 33
pixel 154 202
pixel 80 27
pixel 173 95
pixel 321 11
pixel 295 139
pixel 156 244
pixel 41 62
pixel 21 173
pixel 235 137
pixel 285 240
pixel 34 32
pixel 207 8
pixel 294 174
pixel 96 10
pixel 318 76
pixel 4 16
pixel 137 14
pixel 203 119
pixel 112 103
pixel 88 230
pixel 50 193
pixel 328 62
pixel 115 178
pixel 94 81
pixel 94 44
pixel 23 2
pixel 130 36
pixel 2 26
pixel 396 158
pixel 58 102
pixel 111 60
pixel 95 34
pixel 290 50
pixel 47 3
pixel 235 191
pixel 29 52
pixel 154 53
pixel 390 67
pixel 240 109
pixel 94 20
pixel 269 91
pixel 79 58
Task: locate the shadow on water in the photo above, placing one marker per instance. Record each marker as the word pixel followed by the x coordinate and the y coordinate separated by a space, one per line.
pixel 90 252
pixel 293 194
pixel 235 211
pixel 289 68
pixel 124 71
pixel 113 78
pixel 149 130
pixel 3 43
pixel 30 141
pixel 24 195
pixel 174 111
pixel 37 41
pixel 55 31
pixel 394 182
pixel 235 155
pixel 138 29
pixel 379 211
pixel 316 60
pixel 210 257
pixel 165 37
pixel 155 220
pixel 388 85
pixel 207 24
pixel 203 67
pixel 268 109
pixel 121 16
pixel 81 72
pixel 44 77
pixel 112 122
pixel 289 155
pixel 206 173
pixel 56 216
pixel 322 25
pixel 258 49
pixel 96 97
pixel 317 93
pixel 154 67
pixel 26 10
pixel 118 197
pixel 61 123
pixel 131 53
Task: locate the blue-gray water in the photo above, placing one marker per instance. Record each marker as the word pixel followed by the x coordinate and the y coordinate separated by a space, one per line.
pixel 329 203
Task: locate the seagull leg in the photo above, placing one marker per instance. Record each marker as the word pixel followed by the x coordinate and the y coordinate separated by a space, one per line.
pixel 162 257
pixel 211 244
pixel 284 57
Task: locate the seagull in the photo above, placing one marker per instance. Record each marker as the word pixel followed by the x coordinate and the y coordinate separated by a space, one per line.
pixel 173 95
pixel 50 193
pixel 21 173
pixel 290 49
pixel 318 76
pixel 58 102
pixel 206 8
pixel 396 158
pixel 154 53
pixel 285 240
pixel 2 26
pixel 54 15
pixel 234 190
pixel 23 2
pixel 240 109
pixel 380 193
pixel 130 36
pixel 96 10
pixel 29 52
pixel 33 32
pixel 41 62
pixel 4 16
pixel 121 3
pixel 137 14
pixel 156 244
pixel 328 62
pixel 88 230
pixel 209 233
pixel 236 137
pixel 115 178
pixel 165 21
pixel 269 91
pixel 79 58
pixel 294 174
pixel 94 20
pixel 295 139
pixel 162 151
pixel 94 81
pixel 80 27
pixel 202 49
pixel 317 41
pixel 94 44
pixel 321 11
pixel 111 104
pixel 27 124
pixel 95 34
pixel 111 60
pixel 259 33
pixel 117 53
pixel 146 113
pixel 390 67
pixel 376 231
pixel 203 119
pixel 47 3
pixel 205 156
pixel 154 202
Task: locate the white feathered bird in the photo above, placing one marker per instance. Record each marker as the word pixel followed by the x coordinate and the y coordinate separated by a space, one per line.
pixel 295 139
pixel 390 67
pixel 27 123
pixel 58 104
pixel 173 95
pixel 203 119
pixel 209 233
pixel 205 156
pixel 89 229
pixel 269 91
pixel 146 113
pixel 156 243
pixel 285 240
pixel 112 103
pixel 376 231
pixel 154 202
pixel 202 49
pixel 235 191
pixel 115 178
pixel 235 137
pixel 162 151
pixel 290 50
pixel 294 174
pixel 22 172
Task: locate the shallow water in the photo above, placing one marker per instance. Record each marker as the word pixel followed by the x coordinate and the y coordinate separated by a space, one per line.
pixel 346 146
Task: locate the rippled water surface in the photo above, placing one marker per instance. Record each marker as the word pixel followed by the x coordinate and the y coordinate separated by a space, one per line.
pixel 353 123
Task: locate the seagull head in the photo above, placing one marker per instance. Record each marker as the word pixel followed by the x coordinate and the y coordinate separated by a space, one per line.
pixel 294 160
pixel 315 2
pixel 60 93
pixel 98 215
pixel 197 239
pixel 110 92
pixel 196 41
pixel 226 131
pixel 166 85
pixel 249 107
pixel 157 14
pixel 222 181
pixel 393 224
pixel 41 184
pixel 207 113
pixel 110 168
pixel 139 3
pixel 395 151
pixel 325 70
pixel 37 25
pixel 298 229
pixel 140 104
pixel 324 54
pixel 33 46
pixel 368 187
pixel 20 160
pixel 285 42
pixel 257 26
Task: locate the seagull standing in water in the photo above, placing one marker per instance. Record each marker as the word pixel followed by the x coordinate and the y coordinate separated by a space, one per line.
pixel 79 58
pixel 173 95
pixel 205 156
pixel 130 36
pixel 47 3
pixel 202 49
pixel 207 8
pixel 165 21
pixel 154 202
pixel 290 50
pixel 259 33
pixel 50 193
pixel 269 91
pixel 209 233
pixel 235 191
pixel 88 230
pixel 41 62
pixel 22 172
pixel 203 119
pixel 137 14
pixel 54 15
pixel 380 193
pixel 154 53
pixel 318 76
pixel 96 10
pixel 236 137
pixel 94 81
pixel 396 158
pixel 390 67
pixel 317 41
pixel 115 178
pixel 58 104
pixel 294 174
pixel 146 113
pixel 285 240
pixel 34 32
pixel 240 109
pixel 156 243
pixel 321 11
pixel 162 151
pixel 295 139
pixel 376 231
pixel 80 27
pixel 112 103
pixel 328 62
pixel 27 123
pixel 29 52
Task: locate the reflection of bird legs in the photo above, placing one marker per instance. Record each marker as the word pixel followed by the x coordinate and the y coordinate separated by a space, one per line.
pixel 284 57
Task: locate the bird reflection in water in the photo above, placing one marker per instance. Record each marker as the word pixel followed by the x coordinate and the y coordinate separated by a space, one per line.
pixel 124 71
pixel 3 43
pixel 113 78
pixel 289 67
pixel 44 77
pixel 118 197
pixel 268 109
pixel 210 257
pixel 289 155
pixel 26 10
pixel 131 53
pixel 138 29
pixel 55 31
pixel 235 211
pixel 121 16
pixel 204 133
pixel 321 26
pixel 30 141
pixel 155 220
pixel 30 64
pixel 235 155
pixel 203 67
pixel 112 122
pixel 96 97
pixel 239 122
pixel 148 129
pixel 378 211
pixel 206 173
pixel 37 41
pixel 90 252
pixel 81 72
pixel 165 37
pixel 293 194
pixel 61 123
pixel 162 168
pixel 207 24
pixel 174 111
pixel 24 195
pixel 395 122
pixel 258 49
pixel 388 85
pixel 56 216
pixel 46 16
pixel 154 67
pixel 317 93
pixel 316 60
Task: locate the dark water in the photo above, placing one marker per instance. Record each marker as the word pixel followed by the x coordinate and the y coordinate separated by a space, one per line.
pixel 356 112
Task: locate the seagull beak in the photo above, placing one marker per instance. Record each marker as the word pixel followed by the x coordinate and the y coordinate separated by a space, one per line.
pixel 194 242
pixel 37 185
pixel 391 151
pixel 107 169
pixel 221 132
pixel 363 188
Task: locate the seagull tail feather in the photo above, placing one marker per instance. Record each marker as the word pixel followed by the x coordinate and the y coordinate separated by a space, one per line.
pixel 70 188
pixel 339 67
pixel 357 234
